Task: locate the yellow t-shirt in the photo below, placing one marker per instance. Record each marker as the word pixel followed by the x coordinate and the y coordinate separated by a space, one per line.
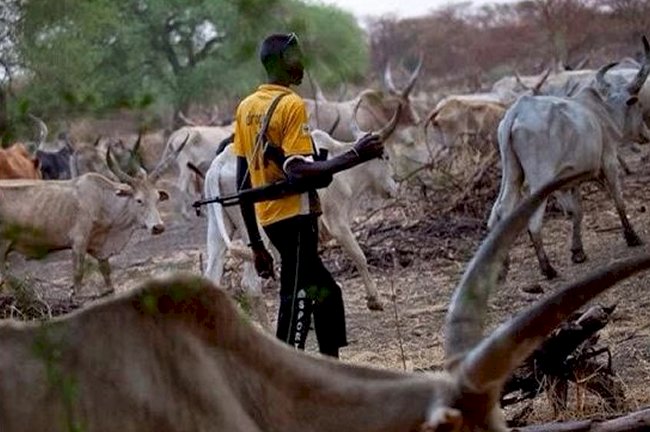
pixel 288 129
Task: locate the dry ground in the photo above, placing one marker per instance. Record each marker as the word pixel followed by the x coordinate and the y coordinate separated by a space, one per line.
pixel 431 250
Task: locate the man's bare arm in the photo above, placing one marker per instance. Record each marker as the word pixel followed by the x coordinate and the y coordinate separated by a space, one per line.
pixel 367 148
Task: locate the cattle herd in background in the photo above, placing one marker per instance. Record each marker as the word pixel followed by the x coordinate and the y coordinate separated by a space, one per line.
pixel 552 131
pixel 575 120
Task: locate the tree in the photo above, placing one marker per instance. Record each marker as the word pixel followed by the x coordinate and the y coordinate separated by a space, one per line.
pixel 9 61
pixel 113 53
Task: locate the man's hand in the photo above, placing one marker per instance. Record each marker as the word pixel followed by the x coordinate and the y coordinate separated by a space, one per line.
pixel 263 261
pixel 369 147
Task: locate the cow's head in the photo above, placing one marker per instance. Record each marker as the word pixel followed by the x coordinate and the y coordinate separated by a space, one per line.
pixel 378 176
pixel 141 192
pixel 623 99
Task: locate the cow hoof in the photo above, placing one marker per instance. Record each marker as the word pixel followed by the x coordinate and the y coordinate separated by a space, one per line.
pixel 550 273
pixel 578 256
pixel 374 304
pixel 633 239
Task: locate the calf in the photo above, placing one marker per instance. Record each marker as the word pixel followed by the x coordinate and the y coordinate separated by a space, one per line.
pixel 544 137
pixel 175 355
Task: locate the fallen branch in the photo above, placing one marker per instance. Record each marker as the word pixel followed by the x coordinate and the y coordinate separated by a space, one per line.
pixel 638 421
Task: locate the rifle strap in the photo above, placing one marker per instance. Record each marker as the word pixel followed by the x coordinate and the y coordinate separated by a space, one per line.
pixel 261 140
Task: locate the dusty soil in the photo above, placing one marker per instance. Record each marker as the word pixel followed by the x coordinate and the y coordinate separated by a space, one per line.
pixel 417 255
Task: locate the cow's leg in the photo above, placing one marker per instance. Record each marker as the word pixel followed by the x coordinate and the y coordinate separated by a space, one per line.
pixel 216 247
pixel 252 285
pixel 341 231
pixel 78 259
pixel 535 232
pixel 572 200
pixel 186 192
pixel 613 185
pixel 105 270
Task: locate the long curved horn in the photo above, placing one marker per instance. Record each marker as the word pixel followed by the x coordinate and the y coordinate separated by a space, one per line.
pixel 388 129
pixel 335 124
pixel 186 120
pixel 115 168
pixel 583 62
pixel 356 130
pixel 600 76
pixel 466 316
pixel 635 86
pixel 414 77
pixel 537 87
pixel 489 365
pixel 519 81
pixel 384 132
pixel 162 165
pixel 388 80
pixel 42 129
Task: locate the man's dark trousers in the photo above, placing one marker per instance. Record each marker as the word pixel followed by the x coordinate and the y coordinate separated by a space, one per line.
pixel 306 287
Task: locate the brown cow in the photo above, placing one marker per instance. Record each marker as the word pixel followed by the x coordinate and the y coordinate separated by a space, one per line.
pixel 175 355
pixel 17 163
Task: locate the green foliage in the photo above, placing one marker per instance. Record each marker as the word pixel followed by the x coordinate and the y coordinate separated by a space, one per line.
pixel 105 54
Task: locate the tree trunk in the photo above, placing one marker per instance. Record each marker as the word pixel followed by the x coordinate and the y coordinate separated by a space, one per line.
pixel 4 116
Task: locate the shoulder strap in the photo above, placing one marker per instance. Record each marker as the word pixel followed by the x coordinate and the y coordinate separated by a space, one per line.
pixel 260 139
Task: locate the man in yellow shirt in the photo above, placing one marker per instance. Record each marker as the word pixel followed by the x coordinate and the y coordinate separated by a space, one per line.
pixel 273 143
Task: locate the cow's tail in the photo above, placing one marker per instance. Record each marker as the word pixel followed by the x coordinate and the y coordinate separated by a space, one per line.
pixel 216 211
pixel 509 161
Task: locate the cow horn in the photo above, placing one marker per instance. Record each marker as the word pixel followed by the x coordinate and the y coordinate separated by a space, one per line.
pixel 42 129
pixel 414 77
pixel 157 171
pixel 537 87
pixel 356 130
pixel 600 76
pixel 185 120
pixel 385 132
pixel 466 316
pixel 388 80
pixel 115 168
pixel 583 62
pixel 488 366
pixel 635 86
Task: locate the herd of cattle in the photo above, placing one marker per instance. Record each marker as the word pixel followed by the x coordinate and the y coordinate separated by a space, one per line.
pixel 181 360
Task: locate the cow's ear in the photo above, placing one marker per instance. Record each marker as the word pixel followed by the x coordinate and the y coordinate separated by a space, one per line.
pixel 631 100
pixel 123 192
pixel 163 195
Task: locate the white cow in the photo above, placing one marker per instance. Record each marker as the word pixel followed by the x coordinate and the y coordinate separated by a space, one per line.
pixel 338 202
pixel 88 214
pixel 201 147
pixel 544 137
pixel 175 355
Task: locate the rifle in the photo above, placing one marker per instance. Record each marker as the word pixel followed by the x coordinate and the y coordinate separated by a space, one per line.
pixel 266 193
pixel 269 192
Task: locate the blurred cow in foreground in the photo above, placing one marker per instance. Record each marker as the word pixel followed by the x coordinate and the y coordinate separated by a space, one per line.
pixel 175 354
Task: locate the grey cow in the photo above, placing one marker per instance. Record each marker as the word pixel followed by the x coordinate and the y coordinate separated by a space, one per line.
pixel 544 137
pixel 88 214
